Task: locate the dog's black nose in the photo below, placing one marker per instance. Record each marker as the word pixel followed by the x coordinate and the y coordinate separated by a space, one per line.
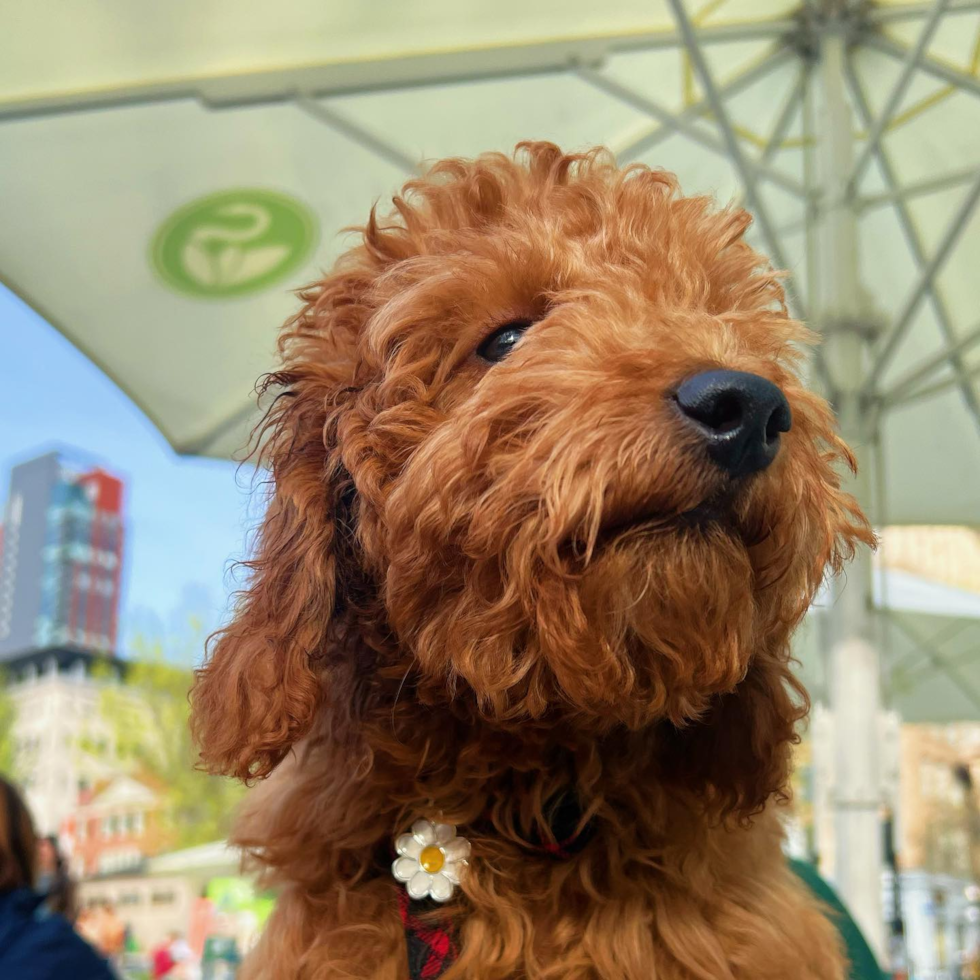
pixel 740 416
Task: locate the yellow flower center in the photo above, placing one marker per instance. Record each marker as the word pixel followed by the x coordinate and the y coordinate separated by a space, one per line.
pixel 432 859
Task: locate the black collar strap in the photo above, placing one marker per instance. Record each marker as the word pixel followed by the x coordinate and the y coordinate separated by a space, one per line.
pixel 564 820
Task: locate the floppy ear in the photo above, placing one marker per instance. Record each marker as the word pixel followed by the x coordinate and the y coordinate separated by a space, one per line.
pixel 260 688
pixel 737 757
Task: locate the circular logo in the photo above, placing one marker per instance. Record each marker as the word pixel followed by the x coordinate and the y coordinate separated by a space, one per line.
pixel 233 243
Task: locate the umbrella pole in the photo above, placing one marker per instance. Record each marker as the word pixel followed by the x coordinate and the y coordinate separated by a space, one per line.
pixel 854 662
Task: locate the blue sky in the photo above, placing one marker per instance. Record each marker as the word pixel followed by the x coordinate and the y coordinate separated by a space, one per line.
pixel 186 518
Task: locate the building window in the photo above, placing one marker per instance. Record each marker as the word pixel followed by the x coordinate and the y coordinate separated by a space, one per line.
pixel 135 823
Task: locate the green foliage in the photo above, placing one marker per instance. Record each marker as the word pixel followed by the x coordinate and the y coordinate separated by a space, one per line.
pixel 148 715
pixel 8 715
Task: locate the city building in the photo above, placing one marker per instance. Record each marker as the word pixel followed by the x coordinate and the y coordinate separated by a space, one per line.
pixel 197 891
pixel 61 560
pixel 938 832
pixel 60 573
pixel 62 741
pixel 930 779
pixel 115 826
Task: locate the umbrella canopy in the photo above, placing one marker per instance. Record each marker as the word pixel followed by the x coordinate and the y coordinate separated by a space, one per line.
pixel 931 635
pixel 170 172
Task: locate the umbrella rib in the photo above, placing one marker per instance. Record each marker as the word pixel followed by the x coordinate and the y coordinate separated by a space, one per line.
pixel 918 188
pixel 646 105
pixel 939 661
pixel 786 117
pixel 657 134
pixel 340 123
pixel 935 389
pixel 914 243
pixel 906 387
pixel 880 14
pixel 898 91
pixel 931 66
pixel 922 287
pixel 943 635
pixel 734 147
pixel 445 66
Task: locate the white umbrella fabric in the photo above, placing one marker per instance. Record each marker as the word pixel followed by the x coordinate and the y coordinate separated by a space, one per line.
pixel 931 633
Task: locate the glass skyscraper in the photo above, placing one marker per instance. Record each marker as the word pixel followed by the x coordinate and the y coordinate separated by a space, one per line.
pixel 61 557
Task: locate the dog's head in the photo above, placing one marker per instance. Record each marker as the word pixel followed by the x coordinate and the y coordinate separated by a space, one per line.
pixel 541 443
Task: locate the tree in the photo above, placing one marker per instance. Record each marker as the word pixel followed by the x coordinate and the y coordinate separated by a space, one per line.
pixel 8 717
pixel 148 714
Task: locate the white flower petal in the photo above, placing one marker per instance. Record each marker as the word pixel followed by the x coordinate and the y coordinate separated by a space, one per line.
pixel 408 845
pixel 441 888
pixel 424 832
pixel 404 868
pixel 445 832
pixel 457 850
pixel 420 884
pixel 453 870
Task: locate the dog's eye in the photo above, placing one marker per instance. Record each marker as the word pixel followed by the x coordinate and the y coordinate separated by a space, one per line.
pixel 502 341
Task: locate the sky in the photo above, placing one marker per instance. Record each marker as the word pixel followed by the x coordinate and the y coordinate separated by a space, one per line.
pixel 186 518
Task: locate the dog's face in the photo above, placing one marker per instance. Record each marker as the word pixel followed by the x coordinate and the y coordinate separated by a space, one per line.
pixel 547 427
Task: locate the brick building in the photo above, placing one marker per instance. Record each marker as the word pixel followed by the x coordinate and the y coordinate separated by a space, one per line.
pixel 115 826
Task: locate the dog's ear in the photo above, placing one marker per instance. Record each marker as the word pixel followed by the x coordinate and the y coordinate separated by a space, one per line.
pixel 260 687
pixel 737 757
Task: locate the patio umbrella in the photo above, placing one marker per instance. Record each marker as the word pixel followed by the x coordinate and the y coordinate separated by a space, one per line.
pixel 931 633
pixel 170 172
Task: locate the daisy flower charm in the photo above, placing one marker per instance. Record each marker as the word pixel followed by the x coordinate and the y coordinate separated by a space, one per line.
pixel 431 860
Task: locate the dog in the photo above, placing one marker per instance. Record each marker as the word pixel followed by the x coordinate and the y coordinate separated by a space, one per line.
pixel 548 499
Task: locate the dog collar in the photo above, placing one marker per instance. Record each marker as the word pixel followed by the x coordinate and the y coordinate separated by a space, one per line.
pixel 431 861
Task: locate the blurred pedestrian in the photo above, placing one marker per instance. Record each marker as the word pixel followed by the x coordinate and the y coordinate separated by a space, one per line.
pixel 34 945
pixel 183 958
pixel 100 926
pixel 113 941
pixel 161 959
pixel 53 880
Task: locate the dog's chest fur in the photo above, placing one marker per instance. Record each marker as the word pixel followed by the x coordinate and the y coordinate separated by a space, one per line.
pixel 594 912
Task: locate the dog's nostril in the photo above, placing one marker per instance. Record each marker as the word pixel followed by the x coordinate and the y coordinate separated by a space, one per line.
pixel 739 415
pixel 722 414
pixel 780 421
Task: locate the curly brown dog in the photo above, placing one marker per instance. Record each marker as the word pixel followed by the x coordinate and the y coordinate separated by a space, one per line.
pixel 548 500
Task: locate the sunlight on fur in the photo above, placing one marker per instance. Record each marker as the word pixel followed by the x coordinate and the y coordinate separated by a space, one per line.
pixel 481 586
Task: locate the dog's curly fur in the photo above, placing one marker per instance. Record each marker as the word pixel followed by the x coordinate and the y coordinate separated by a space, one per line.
pixel 479 587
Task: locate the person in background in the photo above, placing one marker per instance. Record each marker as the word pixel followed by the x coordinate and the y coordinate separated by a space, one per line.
pixel 183 958
pixel 53 880
pixel 161 960
pixel 101 927
pixel 113 933
pixel 34 946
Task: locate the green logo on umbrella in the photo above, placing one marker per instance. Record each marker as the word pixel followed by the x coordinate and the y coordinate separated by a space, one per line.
pixel 233 243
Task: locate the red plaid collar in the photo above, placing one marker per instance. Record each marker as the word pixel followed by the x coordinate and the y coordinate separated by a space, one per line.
pixel 432 945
